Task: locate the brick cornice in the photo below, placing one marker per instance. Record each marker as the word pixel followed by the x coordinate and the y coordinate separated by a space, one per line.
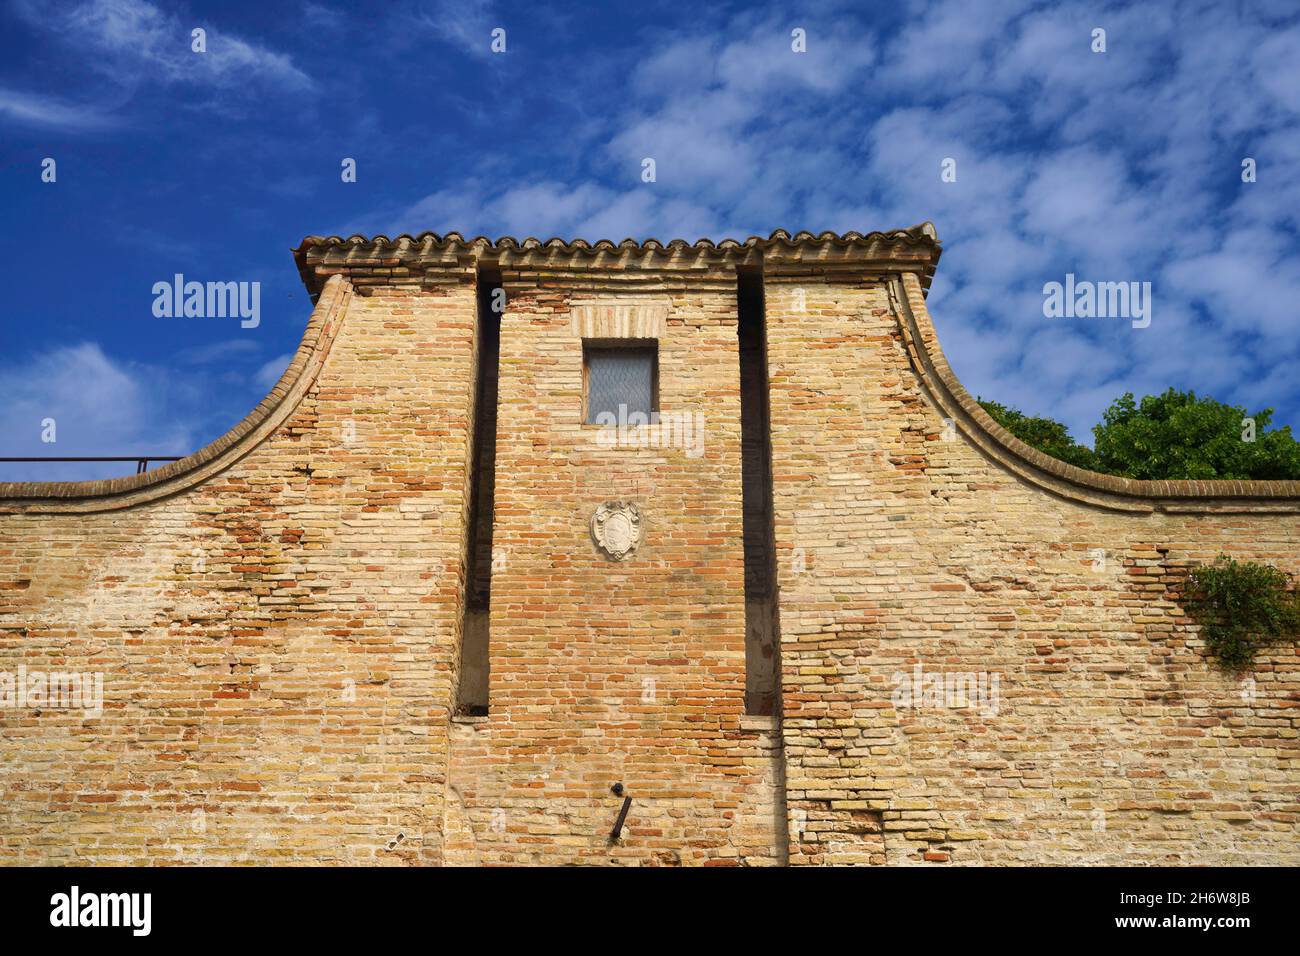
pixel 1089 487
pixel 40 497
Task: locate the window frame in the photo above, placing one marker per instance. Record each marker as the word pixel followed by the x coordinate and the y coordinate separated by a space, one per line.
pixel 649 346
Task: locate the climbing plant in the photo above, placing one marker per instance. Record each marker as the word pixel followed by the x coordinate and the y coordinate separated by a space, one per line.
pixel 1241 608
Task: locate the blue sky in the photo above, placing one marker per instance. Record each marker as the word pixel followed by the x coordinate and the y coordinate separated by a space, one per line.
pixel 1117 166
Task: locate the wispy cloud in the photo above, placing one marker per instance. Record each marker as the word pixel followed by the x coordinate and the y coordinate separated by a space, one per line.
pixel 223 350
pixel 135 43
pixel 33 109
pixel 466 24
pixel 269 372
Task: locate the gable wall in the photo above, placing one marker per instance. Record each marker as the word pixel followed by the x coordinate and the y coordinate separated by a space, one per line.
pixel 279 642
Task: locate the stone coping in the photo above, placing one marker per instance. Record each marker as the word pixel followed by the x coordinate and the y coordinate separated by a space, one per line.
pixel 1069 481
pixel 114 493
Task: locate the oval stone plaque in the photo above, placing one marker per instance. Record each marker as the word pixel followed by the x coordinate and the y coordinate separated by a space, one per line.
pixel 616 528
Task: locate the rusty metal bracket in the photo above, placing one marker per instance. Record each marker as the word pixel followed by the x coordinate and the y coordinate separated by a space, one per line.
pixel 622 815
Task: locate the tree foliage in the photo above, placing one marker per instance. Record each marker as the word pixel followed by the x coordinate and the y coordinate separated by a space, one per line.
pixel 1178 435
pixel 1175 435
pixel 1046 434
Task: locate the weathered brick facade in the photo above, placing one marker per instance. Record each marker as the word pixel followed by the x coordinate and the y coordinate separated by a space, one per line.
pixel 278 618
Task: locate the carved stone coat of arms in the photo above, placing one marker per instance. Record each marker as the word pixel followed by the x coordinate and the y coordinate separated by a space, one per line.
pixel 616 528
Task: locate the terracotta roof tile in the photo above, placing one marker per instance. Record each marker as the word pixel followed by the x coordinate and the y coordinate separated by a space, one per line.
pixel 920 234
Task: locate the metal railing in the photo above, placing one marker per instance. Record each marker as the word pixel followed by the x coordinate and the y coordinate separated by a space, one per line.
pixel 141 461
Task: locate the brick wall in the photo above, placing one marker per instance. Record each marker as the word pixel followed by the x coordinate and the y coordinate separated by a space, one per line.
pixel 277 643
pixel 278 619
pixel 605 671
pixel 1112 738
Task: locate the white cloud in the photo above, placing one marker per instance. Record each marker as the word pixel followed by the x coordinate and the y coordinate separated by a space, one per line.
pixel 1275 67
pixel 133 42
pixel 269 373
pixel 32 109
pixel 103 405
pixel 466 24
pixel 100 406
pixel 702 112
pixel 219 351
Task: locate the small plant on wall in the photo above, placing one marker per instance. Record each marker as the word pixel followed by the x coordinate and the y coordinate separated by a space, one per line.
pixel 1241 608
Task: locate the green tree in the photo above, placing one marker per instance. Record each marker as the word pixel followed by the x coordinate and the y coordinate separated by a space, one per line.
pixel 1046 434
pixel 1164 437
pixel 1178 435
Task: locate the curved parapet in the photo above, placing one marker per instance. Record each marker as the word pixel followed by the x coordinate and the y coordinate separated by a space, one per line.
pixel 115 493
pixel 330 267
pixel 1052 474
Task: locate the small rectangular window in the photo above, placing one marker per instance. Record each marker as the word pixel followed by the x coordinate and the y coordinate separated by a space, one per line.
pixel 621 375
